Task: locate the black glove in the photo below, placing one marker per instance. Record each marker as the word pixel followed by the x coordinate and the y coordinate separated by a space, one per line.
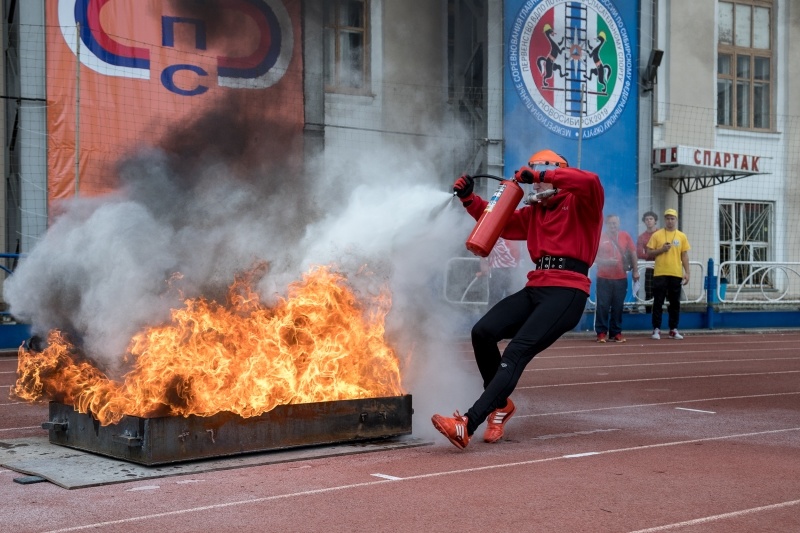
pixel 526 175
pixel 464 186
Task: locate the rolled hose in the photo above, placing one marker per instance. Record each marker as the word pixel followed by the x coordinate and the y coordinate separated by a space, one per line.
pixel 491 176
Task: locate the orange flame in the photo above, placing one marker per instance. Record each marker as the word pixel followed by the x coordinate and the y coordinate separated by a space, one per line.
pixel 315 345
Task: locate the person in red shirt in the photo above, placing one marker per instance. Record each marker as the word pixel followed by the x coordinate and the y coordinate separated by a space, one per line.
pixel 562 233
pixel 615 256
pixel 650 220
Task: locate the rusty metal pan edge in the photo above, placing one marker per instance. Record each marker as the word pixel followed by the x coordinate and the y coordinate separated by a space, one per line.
pixel 163 440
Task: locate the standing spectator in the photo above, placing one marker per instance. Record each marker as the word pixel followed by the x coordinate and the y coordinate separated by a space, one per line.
pixel 500 266
pixel 670 249
pixel 650 220
pixel 615 257
pixel 562 232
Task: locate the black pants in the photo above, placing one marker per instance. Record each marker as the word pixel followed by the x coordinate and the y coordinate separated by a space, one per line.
pixel 668 287
pixel 533 318
pixel 610 302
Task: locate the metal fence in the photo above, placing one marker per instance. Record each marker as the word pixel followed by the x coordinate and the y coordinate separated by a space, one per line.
pixel 763 284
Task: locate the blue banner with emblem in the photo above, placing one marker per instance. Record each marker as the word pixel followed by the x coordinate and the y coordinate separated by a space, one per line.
pixel 571 86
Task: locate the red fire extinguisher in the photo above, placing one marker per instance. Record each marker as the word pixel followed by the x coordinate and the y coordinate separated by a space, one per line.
pixel 493 219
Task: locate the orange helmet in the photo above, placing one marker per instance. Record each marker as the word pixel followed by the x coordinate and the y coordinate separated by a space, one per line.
pixel 549 158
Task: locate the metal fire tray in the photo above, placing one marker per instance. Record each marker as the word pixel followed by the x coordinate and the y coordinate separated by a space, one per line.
pixel 154 441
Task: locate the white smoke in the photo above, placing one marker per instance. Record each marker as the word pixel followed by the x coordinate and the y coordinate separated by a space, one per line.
pixel 101 271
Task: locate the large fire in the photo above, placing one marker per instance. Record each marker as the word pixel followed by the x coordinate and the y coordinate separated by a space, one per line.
pixel 317 344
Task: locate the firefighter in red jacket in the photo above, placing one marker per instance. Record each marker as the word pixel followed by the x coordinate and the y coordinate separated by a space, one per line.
pixel 562 234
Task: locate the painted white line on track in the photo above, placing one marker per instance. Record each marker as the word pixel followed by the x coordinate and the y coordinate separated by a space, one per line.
pixel 575 455
pixel 19 429
pixel 15 403
pixel 724 516
pixel 606 351
pixel 386 476
pixel 574 434
pixel 9 372
pixel 409 478
pixel 636 406
pixel 652 353
pixel 669 363
pixel 146 487
pixel 658 379
pixel 564 344
pixel 696 410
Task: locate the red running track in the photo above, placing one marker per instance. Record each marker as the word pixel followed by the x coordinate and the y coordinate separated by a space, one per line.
pixel 700 435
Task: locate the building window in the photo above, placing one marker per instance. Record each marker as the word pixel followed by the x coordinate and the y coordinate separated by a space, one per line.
pixel 346 37
pixel 744 235
pixel 744 64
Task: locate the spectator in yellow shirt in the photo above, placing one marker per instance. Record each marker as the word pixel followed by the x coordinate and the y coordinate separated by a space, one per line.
pixel 669 247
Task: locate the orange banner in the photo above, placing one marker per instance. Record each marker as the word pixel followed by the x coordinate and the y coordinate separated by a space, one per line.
pixel 220 78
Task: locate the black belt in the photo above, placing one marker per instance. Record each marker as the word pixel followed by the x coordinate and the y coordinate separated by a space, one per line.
pixel 562 263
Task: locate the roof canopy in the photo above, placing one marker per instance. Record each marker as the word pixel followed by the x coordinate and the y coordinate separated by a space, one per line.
pixel 691 169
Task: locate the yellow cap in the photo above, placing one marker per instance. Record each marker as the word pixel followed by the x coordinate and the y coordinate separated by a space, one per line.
pixel 671 212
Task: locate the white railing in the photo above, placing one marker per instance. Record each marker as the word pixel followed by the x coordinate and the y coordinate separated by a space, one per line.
pixel 694 292
pixel 763 283
pixel 462 285
pixel 766 284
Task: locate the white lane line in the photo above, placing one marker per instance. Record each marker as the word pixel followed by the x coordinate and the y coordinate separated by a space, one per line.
pixel 574 434
pixel 565 345
pixel 651 353
pixel 606 352
pixel 574 455
pixel 696 410
pixel 409 478
pixel 145 487
pixel 386 476
pixel 636 406
pixel 19 429
pixel 724 516
pixel 658 379
pixel 668 363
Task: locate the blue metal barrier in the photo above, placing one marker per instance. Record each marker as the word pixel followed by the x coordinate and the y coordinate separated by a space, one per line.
pixel 12 334
pixel 9 256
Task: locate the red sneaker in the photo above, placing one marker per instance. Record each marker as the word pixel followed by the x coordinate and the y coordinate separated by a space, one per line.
pixel 497 421
pixel 454 428
pixel 618 338
pixel 601 337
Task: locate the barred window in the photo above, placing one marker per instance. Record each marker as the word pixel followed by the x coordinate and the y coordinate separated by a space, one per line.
pixel 346 34
pixel 744 64
pixel 744 235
